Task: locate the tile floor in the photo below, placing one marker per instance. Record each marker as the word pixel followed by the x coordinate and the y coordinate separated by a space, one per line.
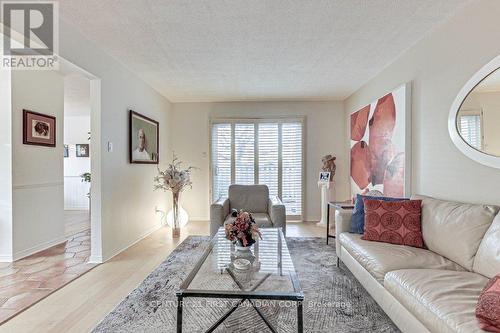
pixel 28 280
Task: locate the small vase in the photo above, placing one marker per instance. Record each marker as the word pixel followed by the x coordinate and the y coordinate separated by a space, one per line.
pixel 240 248
pixel 176 230
pixel 243 252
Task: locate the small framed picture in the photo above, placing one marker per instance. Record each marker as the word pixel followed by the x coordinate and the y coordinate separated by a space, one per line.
pixel 66 151
pixel 39 129
pixel 82 150
pixel 144 141
pixel 324 176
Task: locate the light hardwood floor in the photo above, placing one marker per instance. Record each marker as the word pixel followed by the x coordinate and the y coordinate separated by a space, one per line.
pixel 76 221
pixel 82 304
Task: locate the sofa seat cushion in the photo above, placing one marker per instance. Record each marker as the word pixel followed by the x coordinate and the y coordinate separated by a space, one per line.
pixel 262 219
pixel 444 301
pixel 379 258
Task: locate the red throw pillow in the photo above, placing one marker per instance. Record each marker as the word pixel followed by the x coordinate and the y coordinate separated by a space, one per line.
pixel 395 222
pixel 488 306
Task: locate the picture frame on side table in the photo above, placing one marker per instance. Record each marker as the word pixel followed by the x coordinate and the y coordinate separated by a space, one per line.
pixel 324 176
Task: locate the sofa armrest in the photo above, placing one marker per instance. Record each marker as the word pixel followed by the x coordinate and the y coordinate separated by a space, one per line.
pixel 218 213
pixel 277 213
pixel 343 218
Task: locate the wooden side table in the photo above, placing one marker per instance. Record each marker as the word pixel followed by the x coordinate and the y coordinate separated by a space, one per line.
pixel 336 205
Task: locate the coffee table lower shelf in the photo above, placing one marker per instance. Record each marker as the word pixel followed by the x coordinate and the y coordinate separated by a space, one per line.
pixel 242 296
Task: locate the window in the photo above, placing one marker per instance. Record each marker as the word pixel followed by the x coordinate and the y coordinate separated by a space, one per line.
pixel 470 128
pixel 244 152
pixel 263 151
pixel 221 157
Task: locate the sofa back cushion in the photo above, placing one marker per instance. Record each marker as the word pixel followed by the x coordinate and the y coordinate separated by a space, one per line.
pixel 487 260
pixel 455 230
pixel 250 198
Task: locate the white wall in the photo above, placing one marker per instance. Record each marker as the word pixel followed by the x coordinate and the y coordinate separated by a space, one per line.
pixel 5 166
pixel 128 201
pixel 325 134
pixel 37 175
pixel 76 129
pixel 438 66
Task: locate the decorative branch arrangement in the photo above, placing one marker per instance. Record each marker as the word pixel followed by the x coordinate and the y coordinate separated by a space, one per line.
pixel 176 180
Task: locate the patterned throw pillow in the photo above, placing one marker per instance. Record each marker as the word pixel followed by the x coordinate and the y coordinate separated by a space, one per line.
pixel 358 214
pixel 395 222
pixel 488 306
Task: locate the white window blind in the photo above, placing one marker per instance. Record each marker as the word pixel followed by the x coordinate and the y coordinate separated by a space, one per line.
pixel 292 167
pixel 244 149
pixel 470 129
pixel 221 154
pixel 259 152
pixel 268 156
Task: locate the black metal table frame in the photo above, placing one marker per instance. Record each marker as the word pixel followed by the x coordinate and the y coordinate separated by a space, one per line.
pixel 336 206
pixel 328 236
pixel 242 295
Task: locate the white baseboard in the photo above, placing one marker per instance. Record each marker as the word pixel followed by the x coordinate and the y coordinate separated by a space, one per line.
pixel 317 218
pixel 37 248
pixel 6 258
pixel 141 237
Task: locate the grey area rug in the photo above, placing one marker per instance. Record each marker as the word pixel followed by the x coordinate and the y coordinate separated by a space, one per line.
pixel 334 300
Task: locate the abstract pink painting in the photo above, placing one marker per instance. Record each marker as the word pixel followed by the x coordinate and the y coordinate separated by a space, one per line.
pixel 380 145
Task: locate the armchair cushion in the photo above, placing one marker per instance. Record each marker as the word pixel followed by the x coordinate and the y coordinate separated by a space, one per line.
pixel 251 198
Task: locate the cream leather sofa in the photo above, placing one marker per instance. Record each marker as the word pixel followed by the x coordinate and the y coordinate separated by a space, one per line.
pixel 434 289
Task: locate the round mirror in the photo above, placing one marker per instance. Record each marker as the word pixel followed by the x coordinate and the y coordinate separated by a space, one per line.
pixel 474 121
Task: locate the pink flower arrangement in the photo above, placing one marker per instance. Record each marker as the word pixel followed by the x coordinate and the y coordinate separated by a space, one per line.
pixel 243 230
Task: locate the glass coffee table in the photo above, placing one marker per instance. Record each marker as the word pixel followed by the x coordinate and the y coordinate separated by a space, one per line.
pixel 270 277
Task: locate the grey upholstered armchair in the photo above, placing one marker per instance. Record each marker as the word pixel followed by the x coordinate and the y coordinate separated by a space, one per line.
pixel 268 212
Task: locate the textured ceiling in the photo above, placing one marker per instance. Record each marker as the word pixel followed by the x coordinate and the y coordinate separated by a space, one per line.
pixel 233 50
